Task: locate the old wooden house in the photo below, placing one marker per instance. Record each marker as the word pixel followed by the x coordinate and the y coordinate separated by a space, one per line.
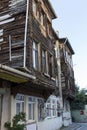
pixel 27 64
pixel 36 72
pixel 66 82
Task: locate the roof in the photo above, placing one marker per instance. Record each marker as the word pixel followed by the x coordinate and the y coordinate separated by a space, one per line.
pixel 56 34
pixel 66 41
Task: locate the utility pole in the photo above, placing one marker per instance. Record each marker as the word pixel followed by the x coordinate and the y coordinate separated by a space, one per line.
pixel 57 51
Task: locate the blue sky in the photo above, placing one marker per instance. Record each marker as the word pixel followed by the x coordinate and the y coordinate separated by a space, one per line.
pixel 72 23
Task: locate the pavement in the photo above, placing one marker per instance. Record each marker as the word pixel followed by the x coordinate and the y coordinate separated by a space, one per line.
pixel 73 126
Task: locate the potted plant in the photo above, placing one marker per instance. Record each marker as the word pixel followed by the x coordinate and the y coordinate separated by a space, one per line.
pixel 18 122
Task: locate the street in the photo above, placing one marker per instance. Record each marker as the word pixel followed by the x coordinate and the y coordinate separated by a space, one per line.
pixel 84 127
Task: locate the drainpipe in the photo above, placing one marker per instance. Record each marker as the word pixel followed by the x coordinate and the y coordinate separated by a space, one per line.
pixel 25 35
pixel 59 71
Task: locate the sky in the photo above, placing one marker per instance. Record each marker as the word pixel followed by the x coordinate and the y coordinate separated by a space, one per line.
pixel 72 23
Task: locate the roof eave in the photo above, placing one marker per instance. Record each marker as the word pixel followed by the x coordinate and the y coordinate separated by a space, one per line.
pixel 53 12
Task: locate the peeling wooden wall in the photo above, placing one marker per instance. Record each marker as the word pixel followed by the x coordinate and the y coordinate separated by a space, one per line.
pixel 12 26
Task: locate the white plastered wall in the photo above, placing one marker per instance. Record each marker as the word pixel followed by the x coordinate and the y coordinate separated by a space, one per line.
pixel 67 114
pixel 6 105
pixel 50 124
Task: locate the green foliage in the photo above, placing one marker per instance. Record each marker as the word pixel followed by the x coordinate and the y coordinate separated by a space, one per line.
pixel 80 99
pixel 18 122
pixel 77 106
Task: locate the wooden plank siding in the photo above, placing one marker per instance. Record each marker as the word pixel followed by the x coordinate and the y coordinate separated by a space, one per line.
pixel 12 22
pixel 12 28
pixel 35 33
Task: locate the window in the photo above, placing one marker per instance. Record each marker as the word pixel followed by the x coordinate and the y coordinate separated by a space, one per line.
pixel 35 55
pixel 41 113
pixel 48 108
pixel 1 35
pixel 31 107
pixel 47 63
pixel 42 18
pixel 49 28
pixel 54 108
pixel 51 65
pixel 43 60
pixel 51 107
pixel 19 103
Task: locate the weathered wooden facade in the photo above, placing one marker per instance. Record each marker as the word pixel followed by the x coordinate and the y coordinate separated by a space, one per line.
pixel 67 73
pixel 32 57
pixel 26 43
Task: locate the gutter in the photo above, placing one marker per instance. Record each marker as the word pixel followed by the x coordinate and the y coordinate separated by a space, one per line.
pixel 15 71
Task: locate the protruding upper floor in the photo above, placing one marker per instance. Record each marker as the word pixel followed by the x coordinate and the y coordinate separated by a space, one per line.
pixel 26 40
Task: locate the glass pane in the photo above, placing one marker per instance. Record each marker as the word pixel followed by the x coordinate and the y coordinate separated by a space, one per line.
pixel 17 108
pixel 29 111
pixel 35 55
pixel 31 99
pixel 48 109
pixel 36 59
pixel 20 97
pixel 22 107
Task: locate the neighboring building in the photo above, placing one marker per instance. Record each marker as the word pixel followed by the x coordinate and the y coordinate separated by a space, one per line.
pixel 31 65
pixel 66 84
pixel 67 78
